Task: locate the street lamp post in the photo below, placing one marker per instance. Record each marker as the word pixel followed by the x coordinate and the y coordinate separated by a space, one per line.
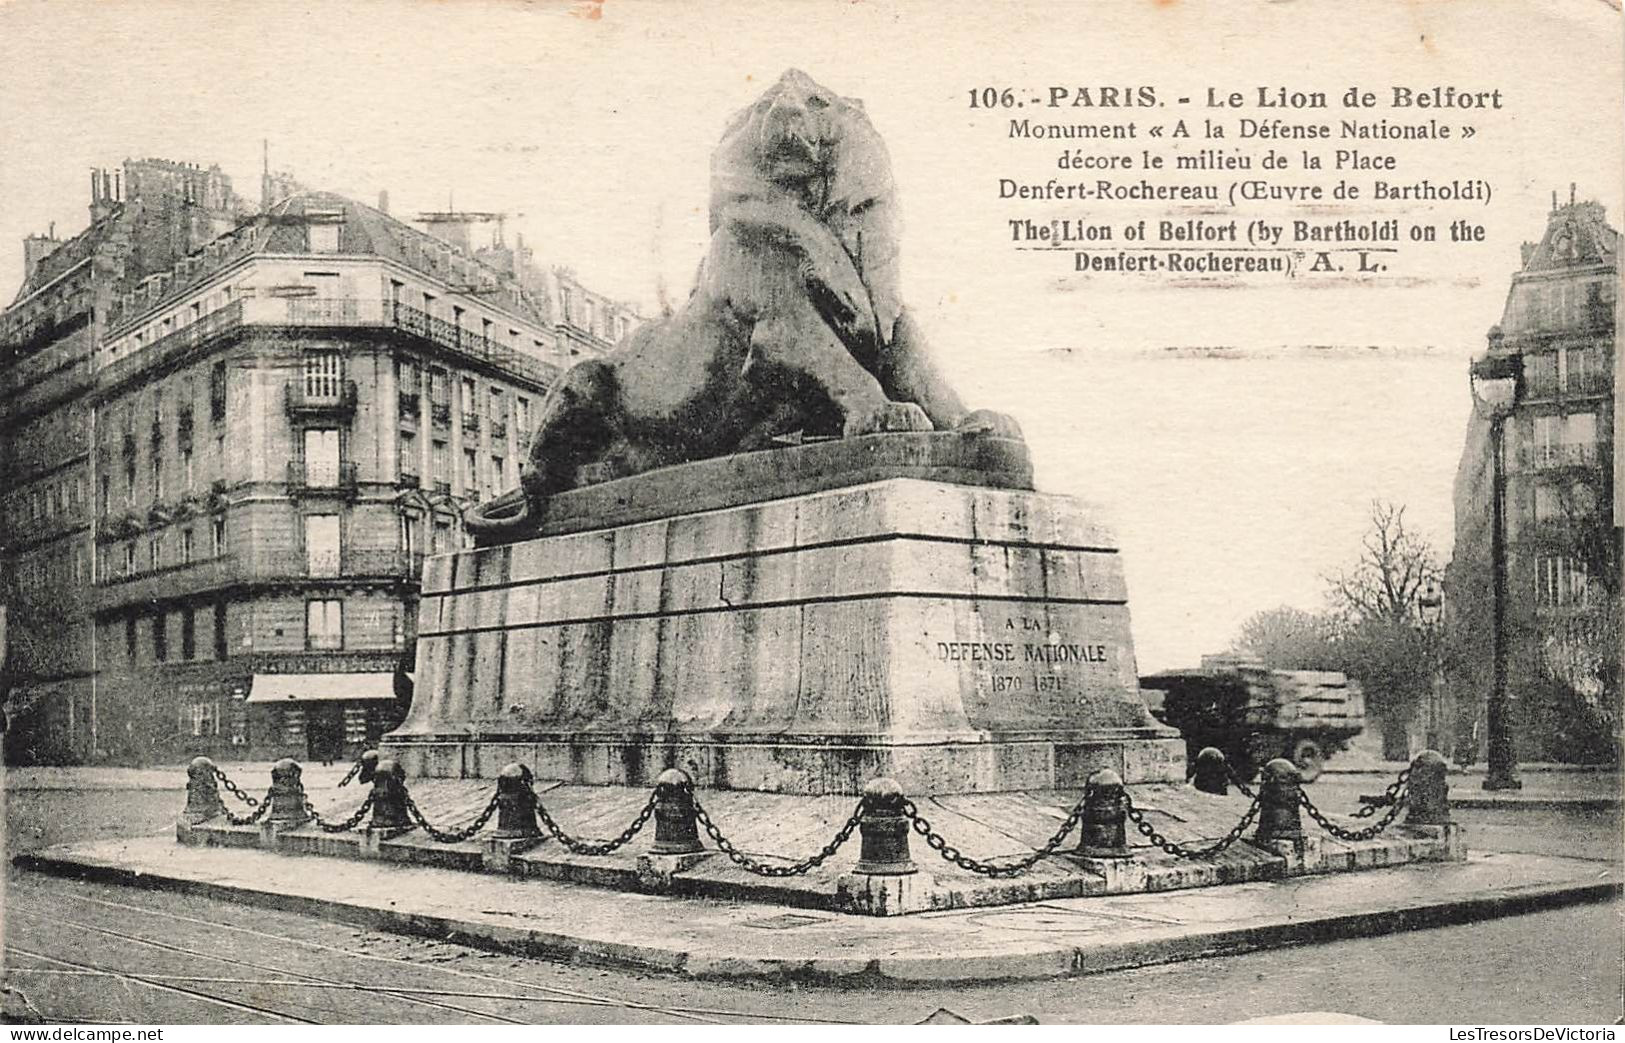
pixel 1430 609
pixel 1494 381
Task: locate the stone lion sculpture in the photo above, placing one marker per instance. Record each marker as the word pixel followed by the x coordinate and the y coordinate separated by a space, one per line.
pixel 795 322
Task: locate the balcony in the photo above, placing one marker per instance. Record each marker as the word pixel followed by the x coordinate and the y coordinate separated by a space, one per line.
pixel 398 563
pixel 183 431
pixel 1549 457
pixel 174 581
pixel 409 479
pixel 326 398
pixel 306 480
pixel 471 422
pixel 440 412
pixel 467 343
pixel 499 430
pixel 410 405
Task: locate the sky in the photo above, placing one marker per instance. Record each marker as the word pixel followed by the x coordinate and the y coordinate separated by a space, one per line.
pixel 1235 434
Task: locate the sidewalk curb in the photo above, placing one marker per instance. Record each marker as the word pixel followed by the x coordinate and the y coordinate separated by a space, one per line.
pixel 895 969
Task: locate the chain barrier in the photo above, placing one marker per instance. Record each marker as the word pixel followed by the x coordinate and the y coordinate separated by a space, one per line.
pixel 1240 783
pixel 1390 796
pixel 586 847
pixel 455 836
pixel 936 842
pixel 739 858
pixel 339 827
pixel 260 809
pixel 1353 834
pixel 1149 831
pixel 355 769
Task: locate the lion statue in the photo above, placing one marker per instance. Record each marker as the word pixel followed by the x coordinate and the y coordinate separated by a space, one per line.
pixel 795 322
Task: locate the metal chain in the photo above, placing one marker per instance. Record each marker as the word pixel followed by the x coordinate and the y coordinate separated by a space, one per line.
pixel 231 787
pixel 1240 783
pixel 937 843
pixel 739 858
pixel 1353 834
pixel 340 827
pixel 1389 796
pixel 455 836
pixel 1149 831
pixel 252 819
pixel 355 769
pixel 589 847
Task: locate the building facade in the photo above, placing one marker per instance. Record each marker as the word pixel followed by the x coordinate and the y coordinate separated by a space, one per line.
pixel 226 463
pixel 1562 549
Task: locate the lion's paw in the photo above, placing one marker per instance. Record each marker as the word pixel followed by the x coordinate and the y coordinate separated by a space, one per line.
pixel 987 422
pixel 888 416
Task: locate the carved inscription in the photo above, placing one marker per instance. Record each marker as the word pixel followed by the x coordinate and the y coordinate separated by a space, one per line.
pixel 1028 641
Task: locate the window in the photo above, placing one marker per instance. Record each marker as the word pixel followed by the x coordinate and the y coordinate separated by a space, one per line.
pixel 186 546
pixel 471 476
pixel 324 624
pixel 188 634
pixel 485 329
pixel 218 535
pixel 1548 503
pixel 1540 372
pixel 129 637
pixel 217 392
pixel 1560 581
pixel 408 450
pixel 471 402
pixel 200 719
pixel 322 457
pixel 440 462
pixel 324 238
pixel 1548 437
pixel 78 565
pixel 322 544
pixel 409 533
pixel 129 558
pixel 155 552
pixel 499 475
pixel 499 411
pixel 407 376
pixel 104 495
pixel 1583 370
pixel 160 637
pixel 440 394
pixel 129 480
pixel 324 374
pixel 157 475
pixel 521 417
pixel 188 472
pixel 220 630
pixel 442 537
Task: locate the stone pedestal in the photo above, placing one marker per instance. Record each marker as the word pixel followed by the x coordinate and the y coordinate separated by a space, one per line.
pixel 956 638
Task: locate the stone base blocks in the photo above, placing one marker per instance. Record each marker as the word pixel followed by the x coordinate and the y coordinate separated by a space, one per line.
pixel 955 638
pixel 885 872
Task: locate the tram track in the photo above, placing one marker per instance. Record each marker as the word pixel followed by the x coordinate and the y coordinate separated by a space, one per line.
pixel 483 987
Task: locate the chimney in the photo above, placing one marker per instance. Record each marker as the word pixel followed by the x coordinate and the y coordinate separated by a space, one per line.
pixel 519 255
pixel 383 200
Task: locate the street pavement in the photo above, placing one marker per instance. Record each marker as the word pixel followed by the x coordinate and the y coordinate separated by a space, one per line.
pixel 94 951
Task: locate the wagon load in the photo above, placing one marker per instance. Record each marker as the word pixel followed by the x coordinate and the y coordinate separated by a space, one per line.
pixel 1254 714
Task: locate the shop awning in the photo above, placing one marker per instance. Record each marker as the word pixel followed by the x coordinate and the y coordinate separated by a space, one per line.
pixel 304 688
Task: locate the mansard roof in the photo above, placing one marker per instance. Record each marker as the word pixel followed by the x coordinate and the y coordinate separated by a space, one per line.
pixel 1577 236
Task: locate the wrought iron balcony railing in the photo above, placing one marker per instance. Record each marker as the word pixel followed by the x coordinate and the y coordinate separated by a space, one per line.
pixel 304 478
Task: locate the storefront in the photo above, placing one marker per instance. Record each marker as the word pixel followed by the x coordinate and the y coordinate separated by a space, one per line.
pixel 321 717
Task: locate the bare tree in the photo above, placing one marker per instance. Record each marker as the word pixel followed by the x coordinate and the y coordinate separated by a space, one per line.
pixel 1385 584
pixel 1288 638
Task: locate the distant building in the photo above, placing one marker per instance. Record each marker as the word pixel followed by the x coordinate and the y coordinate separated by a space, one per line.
pixel 230 436
pixel 1563 546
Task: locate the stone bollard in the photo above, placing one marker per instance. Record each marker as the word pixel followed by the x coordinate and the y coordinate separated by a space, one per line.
pixel 1104 834
pixel 1278 803
pixel 676 830
pixel 202 792
pixel 884 830
pixel 369 767
pixel 1212 772
pixel 516 804
pixel 389 797
pixel 287 796
pixel 1428 791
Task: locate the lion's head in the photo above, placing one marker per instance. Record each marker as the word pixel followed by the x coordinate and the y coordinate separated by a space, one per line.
pixel 802 142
